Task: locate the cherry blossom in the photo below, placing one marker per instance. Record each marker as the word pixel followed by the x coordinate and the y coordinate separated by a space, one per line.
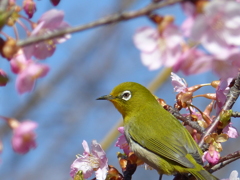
pixel 90 161
pixel 158 49
pixel 217 28
pixel 179 84
pixel 50 21
pixel 24 137
pixel 122 142
pixel 221 93
pixel 212 156
pixel 233 176
pixel 193 61
pixel 231 131
pixel 28 72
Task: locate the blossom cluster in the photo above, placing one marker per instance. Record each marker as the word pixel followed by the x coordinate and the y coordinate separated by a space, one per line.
pixel 184 100
pixel 25 61
pixel 208 39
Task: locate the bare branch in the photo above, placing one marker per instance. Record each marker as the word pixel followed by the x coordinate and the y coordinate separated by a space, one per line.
pixel 3 5
pixel 103 21
pixel 187 121
pixel 235 114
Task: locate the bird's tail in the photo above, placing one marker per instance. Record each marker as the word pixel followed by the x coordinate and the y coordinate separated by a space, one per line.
pixel 203 175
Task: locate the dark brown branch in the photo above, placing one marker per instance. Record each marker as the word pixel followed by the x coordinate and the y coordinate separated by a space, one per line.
pixel 103 21
pixel 231 99
pixel 187 121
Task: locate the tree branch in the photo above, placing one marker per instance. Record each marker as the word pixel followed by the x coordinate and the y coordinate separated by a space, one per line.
pixel 185 120
pixel 103 21
pixel 231 99
pixel 235 114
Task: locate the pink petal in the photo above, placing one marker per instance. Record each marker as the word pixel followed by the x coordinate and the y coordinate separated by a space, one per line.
pixel 85 147
pixel 224 70
pixel 24 83
pixel 146 39
pixel 101 173
pixel 24 130
pixel 178 83
pixel 26 127
pixel 52 18
pixel 152 60
pixel 44 50
pixel 231 131
pixel 83 164
pixel 186 26
pixel 37 70
pixel 234 175
pixel 121 129
pixel 99 153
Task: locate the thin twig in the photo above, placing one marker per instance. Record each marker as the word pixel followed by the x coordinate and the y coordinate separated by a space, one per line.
pixel 103 21
pixel 231 99
pixel 187 121
pixel 3 5
pixel 235 114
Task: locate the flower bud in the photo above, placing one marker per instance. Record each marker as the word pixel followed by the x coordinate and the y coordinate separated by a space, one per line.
pixel 113 174
pixel 29 7
pixel 183 99
pixel 212 156
pixel 215 84
pixel 55 2
pixel 9 48
pixel 3 78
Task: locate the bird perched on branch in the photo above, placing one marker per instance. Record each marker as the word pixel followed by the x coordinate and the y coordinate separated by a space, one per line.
pixel 154 134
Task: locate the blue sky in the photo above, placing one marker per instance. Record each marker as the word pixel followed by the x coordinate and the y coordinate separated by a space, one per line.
pixel 87 66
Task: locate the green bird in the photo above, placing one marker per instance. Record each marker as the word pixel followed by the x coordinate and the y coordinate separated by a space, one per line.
pixel 154 134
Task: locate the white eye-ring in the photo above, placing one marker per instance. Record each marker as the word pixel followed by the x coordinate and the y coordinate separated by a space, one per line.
pixel 126 95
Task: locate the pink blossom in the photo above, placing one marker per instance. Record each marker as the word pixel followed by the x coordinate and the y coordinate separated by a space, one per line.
pixel 24 137
pixel 212 156
pixel 29 7
pixel 28 72
pixel 122 142
pixel 227 69
pixel 190 10
pixel 158 49
pixel 50 21
pixel 90 161
pixel 193 61
pixel 179 84
pixel 233 176
pixel 231 131
pixel 3 78
pixel 221 92
pixel 218 28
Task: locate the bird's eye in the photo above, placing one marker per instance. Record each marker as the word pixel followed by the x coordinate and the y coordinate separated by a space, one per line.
pixel 126 95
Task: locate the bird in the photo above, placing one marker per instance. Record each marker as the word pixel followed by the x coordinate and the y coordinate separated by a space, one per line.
pixel 154 134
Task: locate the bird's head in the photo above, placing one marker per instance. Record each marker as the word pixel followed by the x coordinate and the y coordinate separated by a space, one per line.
pixel 129 97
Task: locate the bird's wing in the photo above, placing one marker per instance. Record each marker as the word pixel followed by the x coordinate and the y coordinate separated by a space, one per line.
pixel 173 142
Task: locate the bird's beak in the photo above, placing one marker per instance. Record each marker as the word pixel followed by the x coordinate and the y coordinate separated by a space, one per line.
pixel 106 97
